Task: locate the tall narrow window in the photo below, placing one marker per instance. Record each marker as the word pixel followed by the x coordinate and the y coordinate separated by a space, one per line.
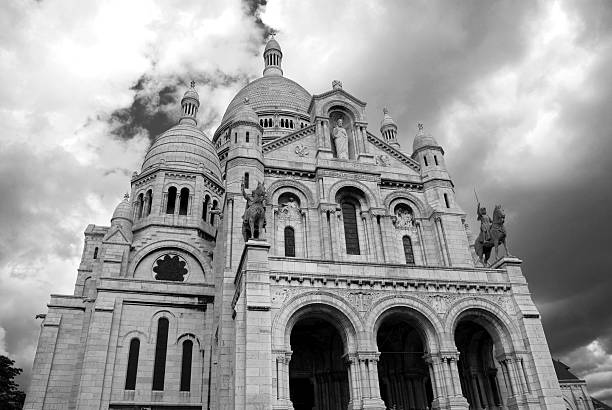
pixel 446 200
pixel 96 253
pixel 161 347
pixel 290 123
pixel 186 365
pixel 289 241
pixel 184 201
pixel 171 200
pixel 351 234
pixel 235 138
pixel 140 205
pixel 247 137
pixel 282 122
pixel 148 201
pixel 132 367
pixel 436 159
pixel 408 254
pixel 205 207
pixel 261 123
pixel 212 215
pixel 425 159
pixel 246 180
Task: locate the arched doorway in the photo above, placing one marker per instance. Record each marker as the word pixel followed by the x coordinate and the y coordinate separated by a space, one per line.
pixel 402 372
pixel 318 377
pixel 482 381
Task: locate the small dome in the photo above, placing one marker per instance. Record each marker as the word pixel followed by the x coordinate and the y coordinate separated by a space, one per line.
pixel 123 210
pixel 183 147
pixel 246 113
pixel 387 120
pixel 272 45
pixel 421 140
pixel 191 93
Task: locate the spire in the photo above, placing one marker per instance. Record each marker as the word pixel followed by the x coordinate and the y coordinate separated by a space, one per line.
pixel 273 56
pixel 189 106
pixel 388 129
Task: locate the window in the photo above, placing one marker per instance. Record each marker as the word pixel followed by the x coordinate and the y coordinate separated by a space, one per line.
pixel 96 253
pixel 132 366
pixel 212 215
pixel 425 159
pixel 261 123
pixel 205 207
pixel 148 201
pixel 282 122
pixel 246 180
pixel 290 123
pixel 247 137
pixel 289 241
pixel 140 203
pixel 408 254
pixel 161 347
pixel 235 138
pixel 351 234
pixel 186 365
pixel 446 200
pixel 184 201
pixel 436 159
pixel 171 200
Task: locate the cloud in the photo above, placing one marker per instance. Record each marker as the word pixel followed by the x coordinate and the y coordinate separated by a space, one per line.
pixel 3 351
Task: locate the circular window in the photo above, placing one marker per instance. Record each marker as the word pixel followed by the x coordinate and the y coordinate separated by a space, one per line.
pixel 170 267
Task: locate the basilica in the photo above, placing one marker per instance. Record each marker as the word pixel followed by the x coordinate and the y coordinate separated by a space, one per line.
pixel 301 258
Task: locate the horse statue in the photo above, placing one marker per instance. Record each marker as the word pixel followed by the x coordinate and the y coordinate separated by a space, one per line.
pixel 254 218
pixel 492 234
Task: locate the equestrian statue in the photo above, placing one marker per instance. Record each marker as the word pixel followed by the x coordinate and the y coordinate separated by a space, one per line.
pixel 492 234
pixel 254 218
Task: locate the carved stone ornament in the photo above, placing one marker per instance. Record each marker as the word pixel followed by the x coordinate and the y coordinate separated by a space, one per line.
pixel 301 150
pixel 290 211
pixel 383 160
pixel 170 267
pixel 403 219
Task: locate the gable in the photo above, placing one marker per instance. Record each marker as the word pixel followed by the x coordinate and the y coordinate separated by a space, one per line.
pixel 115 235
pixel 396 158
pixel 288 143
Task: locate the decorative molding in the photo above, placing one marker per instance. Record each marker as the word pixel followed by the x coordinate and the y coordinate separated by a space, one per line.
pixel 348 175
pixel 289 172
pixel 302 150
pixel 383 160
pixel 380 144
pixel 288 139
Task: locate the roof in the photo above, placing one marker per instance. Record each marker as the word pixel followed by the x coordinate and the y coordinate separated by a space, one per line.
pixel 422 140
pixel 184 147
pixel 272 45
pixel 123 210
pixel 387 120
pixel 562 371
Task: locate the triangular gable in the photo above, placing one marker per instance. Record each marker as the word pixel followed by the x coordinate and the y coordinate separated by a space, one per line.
pixel 115 235
pixel 393 152
pixel 288 139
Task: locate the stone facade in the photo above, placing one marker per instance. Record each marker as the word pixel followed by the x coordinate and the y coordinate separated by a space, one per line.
pixel 362 292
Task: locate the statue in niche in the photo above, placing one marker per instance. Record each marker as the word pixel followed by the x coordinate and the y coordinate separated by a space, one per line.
pixel 404 219
pixel 290 210
pixel 254 218
pixel 340 140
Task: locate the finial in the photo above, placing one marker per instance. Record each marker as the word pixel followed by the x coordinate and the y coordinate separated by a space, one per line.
pixel 420 125
pixel 385 110
pixel 192 84
pixel 337 85
pixel 126 196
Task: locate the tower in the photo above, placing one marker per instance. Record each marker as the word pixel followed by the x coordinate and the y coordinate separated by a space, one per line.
pixel 388 129
pixel 273 57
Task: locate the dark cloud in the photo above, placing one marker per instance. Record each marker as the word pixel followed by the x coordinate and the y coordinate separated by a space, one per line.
pixel 254 8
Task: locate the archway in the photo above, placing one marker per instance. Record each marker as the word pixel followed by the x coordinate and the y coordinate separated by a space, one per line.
pixel 402 372
pixel 318 378
pixel 482 380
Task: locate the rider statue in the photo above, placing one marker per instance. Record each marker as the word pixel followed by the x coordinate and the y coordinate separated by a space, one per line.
pixel 485 226
pixel 492 234
pixel 254 218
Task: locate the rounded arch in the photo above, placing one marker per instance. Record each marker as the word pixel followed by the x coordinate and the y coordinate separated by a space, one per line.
pixel 407 197
pixel 125 339
pixel 429 325
pixel 172 325
pixel 491 317
pixel 369 196
pixel 188 336
pixel 180 245
pixel 288 185
pixel 326 305
pixel 342 105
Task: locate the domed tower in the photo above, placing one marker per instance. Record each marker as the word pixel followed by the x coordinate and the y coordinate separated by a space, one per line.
pixel 273 57
pixel 388 129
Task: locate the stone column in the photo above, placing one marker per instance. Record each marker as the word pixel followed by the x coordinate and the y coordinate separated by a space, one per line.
pixel 283 401
pixel 371 391
pixel 352 363
pixel 324 229
pixel 421 242
pixel 441 241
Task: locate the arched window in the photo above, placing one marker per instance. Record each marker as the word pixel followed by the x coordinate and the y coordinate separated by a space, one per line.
pixel 261 122
pixel 161 347
pixel 184 201
pixel 282 122
pixel 247 137
pixel 290 123
pixel 132 366
pixel 212 215
pixel 205 207
pixel 351 234
pixel 186 365
pixel 171 200
pixel 235 138
pixel 148 201
pixel 289 241
pixel 140 205
pixel 425 159
pixel 266 122
pixel 446 201
pixel 96 253
pixel 246 180
pixel 408 250
pixel 436 159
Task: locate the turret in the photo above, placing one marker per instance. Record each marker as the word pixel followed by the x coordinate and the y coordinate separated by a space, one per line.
pixel 388 129
pixel 189 106
pixel 428 153
pixel 122 217
pixel 273 56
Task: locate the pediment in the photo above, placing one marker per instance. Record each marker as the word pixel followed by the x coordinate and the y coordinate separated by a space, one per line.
pixel 292 141
pixel 115 235
pixel 395 156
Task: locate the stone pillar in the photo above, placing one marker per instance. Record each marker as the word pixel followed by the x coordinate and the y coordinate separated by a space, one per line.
pixel 352 363
pixel 371 392
pixel 421 242
pixel 452 397
pixel 441 241
pixel 324 232
pixel 283 401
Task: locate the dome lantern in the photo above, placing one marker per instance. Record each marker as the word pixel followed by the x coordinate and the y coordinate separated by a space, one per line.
pixel 273 56
pixel 189 106
pixel 388 129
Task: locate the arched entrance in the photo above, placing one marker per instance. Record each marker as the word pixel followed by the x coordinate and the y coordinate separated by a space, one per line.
pixel 402 372
pixel 318 377
pixel 482 380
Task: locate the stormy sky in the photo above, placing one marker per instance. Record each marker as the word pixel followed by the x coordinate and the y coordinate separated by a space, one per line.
pixel 517 93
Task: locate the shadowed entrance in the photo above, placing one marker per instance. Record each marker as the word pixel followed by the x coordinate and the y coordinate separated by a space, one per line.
pixel 402 371
pixel 318 378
